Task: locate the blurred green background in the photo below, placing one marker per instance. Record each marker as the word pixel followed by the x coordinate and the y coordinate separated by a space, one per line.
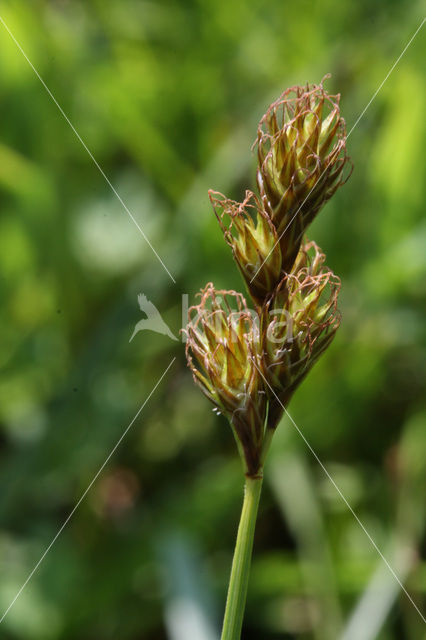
pixel 167 96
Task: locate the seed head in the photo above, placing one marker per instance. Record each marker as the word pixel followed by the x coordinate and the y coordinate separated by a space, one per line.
pixel 301 145
pixel 298 323
pixel 250 363
pixel 223 354
pixel 253 239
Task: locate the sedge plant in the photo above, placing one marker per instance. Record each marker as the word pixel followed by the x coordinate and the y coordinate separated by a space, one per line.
pixel 250 361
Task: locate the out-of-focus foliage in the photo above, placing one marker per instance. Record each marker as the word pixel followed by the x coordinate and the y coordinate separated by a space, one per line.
pixel 167 96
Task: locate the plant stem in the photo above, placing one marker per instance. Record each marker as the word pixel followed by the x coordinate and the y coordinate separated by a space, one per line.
pixel 238 583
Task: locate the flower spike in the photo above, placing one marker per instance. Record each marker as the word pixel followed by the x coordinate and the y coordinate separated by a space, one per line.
pixel 223 354
pixel 250 363
pixel 301 147
pixel 298 323
pixel 253 239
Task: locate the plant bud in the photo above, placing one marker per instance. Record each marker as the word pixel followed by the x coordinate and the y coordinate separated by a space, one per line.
pixel 223 354
pixel 253 239
pixel 301 144
pixel 298 323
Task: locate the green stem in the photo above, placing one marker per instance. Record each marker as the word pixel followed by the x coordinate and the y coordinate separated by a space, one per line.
pixel 238 583
pixel 267 439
